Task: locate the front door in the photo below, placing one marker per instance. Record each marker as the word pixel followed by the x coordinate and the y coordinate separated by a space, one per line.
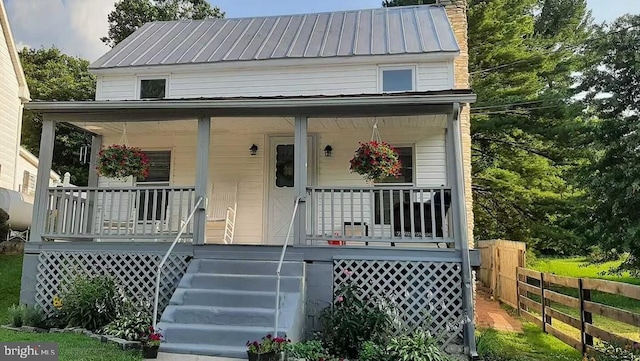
pixel 281 194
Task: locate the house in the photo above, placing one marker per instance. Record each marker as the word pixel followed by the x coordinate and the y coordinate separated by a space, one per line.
pixel 18 167
pixel 14 93
pixel 250 217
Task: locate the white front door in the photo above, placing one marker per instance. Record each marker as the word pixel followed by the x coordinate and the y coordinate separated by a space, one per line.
pixel 281 194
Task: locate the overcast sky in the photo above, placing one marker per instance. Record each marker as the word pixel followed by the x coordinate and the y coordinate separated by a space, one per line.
pixel 76 26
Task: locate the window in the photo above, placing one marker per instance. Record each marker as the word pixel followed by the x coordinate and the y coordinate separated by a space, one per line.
pixel 284 166
pixel 153 88
pixel 406 177
pixel 397 79
pixel 28 183
pixel 159 176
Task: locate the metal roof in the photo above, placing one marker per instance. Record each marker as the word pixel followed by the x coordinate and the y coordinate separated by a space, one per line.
pixel 383 31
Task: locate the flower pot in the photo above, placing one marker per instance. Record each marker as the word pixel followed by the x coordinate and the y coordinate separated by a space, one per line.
pixel 150 351
pixel 269 356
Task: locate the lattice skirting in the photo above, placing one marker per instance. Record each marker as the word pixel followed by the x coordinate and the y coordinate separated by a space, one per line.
pixel 427 294
pixel 135 271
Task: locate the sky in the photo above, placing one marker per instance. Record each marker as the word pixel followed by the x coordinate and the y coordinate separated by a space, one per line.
pixel 75 26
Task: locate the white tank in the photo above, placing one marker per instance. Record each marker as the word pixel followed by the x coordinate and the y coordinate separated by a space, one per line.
pixel 19 210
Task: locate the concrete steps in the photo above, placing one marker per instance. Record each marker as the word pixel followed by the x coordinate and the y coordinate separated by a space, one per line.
pixel 219 305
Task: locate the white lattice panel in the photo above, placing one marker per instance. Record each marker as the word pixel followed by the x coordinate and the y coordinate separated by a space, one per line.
pixel 427 294
pixel 135 271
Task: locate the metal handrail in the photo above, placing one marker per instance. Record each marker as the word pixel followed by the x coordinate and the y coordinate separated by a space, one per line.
pixel 284 250
pixel 166 256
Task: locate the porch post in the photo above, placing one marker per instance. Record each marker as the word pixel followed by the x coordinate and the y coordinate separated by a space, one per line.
pixel 456 173
pixel 96 146
pixel 300 178
pixel 40 203
pixel 202 178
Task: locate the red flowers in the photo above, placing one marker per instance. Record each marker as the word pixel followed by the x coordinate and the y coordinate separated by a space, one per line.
pixel 120 161
pixel 152 337
pixel 268 344
pixel 376 160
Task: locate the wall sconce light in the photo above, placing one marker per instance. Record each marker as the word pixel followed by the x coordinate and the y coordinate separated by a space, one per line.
pixel 253 150
pixel 328 150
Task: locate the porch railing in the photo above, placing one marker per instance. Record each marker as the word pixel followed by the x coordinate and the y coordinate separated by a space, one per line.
pixel 386 214
pixel 118 213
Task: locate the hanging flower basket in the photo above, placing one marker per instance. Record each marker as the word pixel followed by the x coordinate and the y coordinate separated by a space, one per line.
pixel 376 160
pixel 119 161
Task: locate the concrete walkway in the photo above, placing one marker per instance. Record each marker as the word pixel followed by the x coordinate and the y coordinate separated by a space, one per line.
pixel 489 314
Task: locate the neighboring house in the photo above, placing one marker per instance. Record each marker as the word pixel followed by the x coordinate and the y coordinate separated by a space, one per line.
pixel 13 95
pixel 26 173
pixel 250 125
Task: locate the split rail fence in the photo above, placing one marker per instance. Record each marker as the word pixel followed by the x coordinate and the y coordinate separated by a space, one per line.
pixel 538 293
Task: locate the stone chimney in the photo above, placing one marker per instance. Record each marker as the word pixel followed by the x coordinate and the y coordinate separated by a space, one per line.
pixel 457 13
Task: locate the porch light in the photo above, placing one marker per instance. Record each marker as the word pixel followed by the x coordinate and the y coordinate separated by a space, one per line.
pixel 327 151
pixel 253 150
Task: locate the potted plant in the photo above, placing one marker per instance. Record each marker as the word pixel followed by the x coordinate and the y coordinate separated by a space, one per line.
pixel 151 343
pixel 268 349
pixel 376 160
pixel 120 161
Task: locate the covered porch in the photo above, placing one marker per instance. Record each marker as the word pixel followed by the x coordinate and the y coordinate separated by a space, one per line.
pixel 286 191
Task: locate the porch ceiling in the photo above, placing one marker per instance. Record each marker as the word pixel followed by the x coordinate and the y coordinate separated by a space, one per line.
pixel 263 125
pixel 362 105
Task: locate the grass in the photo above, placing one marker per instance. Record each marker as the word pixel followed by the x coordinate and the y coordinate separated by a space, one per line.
pixel 72 347
pixel 578 268
pixel 530 345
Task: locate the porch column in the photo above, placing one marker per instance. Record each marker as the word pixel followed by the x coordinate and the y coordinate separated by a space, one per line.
pixel 456 177
pixel 202 178
pixel 96 146
pixel 300 178
pixel 40 203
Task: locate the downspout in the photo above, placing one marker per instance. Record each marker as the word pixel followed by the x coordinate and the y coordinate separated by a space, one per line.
pixel 467 276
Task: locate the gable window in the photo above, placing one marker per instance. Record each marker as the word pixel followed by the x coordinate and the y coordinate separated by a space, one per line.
pixel 159 176
pixel 153 88
pixel 397 79
pixel 406 178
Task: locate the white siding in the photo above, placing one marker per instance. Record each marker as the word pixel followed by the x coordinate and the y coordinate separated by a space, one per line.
pixel 231 162
pixel 10 111
pixel 291 81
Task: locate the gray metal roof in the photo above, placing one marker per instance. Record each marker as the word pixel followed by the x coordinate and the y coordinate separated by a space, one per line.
pixel 384 31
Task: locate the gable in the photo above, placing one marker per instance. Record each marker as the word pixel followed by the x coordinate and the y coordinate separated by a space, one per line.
pixel 13 53
pixel 360 33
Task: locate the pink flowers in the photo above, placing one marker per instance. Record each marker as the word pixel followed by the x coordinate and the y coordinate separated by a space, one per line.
pixel 268 344
pixel 376 160
pixel 120 161
pixel 339 299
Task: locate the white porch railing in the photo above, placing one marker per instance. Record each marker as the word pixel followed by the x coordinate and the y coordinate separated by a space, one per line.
pixel 118 213
pixel 388 214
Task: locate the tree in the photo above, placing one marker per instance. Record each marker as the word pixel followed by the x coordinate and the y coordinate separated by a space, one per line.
pixel 52 75
pixel 129 15
pixel 612 180
pixel 522 54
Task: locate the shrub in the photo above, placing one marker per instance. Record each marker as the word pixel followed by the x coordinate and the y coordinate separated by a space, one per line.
pixel 418 347
pixel 14 315
pixel 309 350
pixel 349 322
pixel 90 302
pixel 4 225
pixel 372 352
pixel 34 316
pixel 609 352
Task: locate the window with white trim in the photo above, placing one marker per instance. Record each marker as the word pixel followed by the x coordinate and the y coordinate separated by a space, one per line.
pixel 397 79
pixel 152 88
pixel 406 157
pixel 159 176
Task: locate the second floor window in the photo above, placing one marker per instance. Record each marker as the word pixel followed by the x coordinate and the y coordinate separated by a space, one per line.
pixel 153 88
pixel 397 79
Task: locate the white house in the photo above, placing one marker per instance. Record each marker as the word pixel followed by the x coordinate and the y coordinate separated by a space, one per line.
pixel 13 95
pixel 250 125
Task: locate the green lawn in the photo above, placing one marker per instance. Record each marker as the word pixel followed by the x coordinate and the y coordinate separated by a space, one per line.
pixel 530 345
pixel 72 347
pixel 577 267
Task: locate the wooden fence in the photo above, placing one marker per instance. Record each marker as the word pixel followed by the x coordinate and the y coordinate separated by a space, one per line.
pixel 538 292
pixel 499 261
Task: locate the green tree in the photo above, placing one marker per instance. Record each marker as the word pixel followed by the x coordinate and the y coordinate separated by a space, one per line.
pixel 522 54
pixel 52 75
pixel 129 15
pixel 612 180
